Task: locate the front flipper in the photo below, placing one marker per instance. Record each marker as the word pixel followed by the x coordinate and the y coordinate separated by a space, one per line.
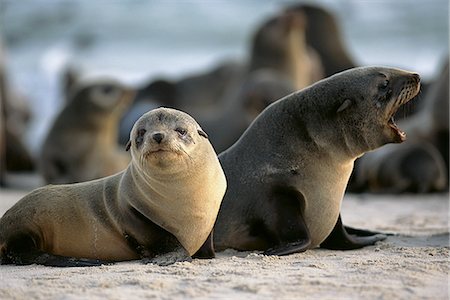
pixel 290 227
pixel 289 248
pixel 340 239
pixel 207 249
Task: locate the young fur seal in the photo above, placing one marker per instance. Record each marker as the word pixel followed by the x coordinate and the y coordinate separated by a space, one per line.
pixel 288 172
pixel 161 208
pixel 82 142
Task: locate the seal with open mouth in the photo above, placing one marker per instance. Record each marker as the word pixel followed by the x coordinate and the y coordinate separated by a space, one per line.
pixel 288 172
pixel 161 208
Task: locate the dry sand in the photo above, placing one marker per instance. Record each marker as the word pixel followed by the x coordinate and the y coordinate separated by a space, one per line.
pixel 412 265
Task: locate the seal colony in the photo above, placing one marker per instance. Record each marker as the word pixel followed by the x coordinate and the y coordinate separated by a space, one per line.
pixel 288 172
pixel 161 208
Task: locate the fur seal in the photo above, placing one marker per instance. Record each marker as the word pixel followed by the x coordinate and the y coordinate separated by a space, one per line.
pixel 81 144
pixel 420 165
pixel 15 115
pixel 164 204
pixel 288 172
pixel 323 34
pixel 280 44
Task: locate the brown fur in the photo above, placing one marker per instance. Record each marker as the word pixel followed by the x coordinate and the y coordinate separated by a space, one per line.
pixel 168 197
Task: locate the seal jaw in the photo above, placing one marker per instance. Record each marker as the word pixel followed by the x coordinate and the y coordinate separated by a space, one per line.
pixel 408 91
pixel 398 132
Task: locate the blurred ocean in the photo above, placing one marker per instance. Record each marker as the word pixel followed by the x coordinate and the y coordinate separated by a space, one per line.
pixel 136 40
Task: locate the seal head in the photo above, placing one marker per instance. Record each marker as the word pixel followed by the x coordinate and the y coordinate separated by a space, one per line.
pixel 361 103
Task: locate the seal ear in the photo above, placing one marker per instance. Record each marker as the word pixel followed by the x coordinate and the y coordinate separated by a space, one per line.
pixel 202 133
pixel 128 146
pixel 346 104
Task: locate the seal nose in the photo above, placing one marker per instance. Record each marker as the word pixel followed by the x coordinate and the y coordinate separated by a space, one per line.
pixel 416 77
pixel 158 137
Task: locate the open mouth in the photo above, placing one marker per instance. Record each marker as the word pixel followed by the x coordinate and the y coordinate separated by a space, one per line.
pixel 396 129
pixel 405 96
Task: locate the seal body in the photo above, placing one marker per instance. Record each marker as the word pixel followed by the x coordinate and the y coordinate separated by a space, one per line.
pixel 82 143
pixel 288 172
pixel 166 199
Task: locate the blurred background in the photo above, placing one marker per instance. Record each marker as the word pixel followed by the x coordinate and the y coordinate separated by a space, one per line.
pixel 137 41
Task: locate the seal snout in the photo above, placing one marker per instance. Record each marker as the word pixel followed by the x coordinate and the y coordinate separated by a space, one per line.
pixel 158 137
pixel 416 78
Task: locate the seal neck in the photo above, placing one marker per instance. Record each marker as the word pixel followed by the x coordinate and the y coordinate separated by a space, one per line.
pixel 316 124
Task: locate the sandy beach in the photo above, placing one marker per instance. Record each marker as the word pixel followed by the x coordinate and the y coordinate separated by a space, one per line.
pixel 413 264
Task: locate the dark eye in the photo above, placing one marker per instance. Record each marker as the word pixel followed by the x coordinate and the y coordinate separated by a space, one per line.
pixel 384 85
pixel 140 137
pixel 107 89
pixel 181 131
pixel 141 132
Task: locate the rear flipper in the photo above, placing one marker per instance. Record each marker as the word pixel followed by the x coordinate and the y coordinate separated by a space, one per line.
pixel 347 238
pixel 22 251
pixel 47 259
pixel 363 232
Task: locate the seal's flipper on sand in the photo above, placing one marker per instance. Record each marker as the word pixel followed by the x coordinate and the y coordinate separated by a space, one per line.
pixel 292 231
pixel 207 249
pixel 341 239
pixel 363 232
pixel 22 251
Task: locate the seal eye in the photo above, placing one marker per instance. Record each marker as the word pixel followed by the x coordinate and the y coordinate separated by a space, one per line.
pixel 141 132
pixel 108 89
pixel 140 137
pixel 181 131
pixel 384 85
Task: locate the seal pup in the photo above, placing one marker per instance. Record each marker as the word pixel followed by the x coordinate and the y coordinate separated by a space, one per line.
pixel 161 208
pixel 288 172
pixel 81 144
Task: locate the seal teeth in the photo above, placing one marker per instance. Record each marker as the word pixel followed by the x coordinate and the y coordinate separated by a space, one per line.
pixel 394 126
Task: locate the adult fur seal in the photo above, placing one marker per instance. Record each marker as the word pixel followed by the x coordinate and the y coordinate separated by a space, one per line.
pixel 163 205
pixel 288 172
pixel 82 142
